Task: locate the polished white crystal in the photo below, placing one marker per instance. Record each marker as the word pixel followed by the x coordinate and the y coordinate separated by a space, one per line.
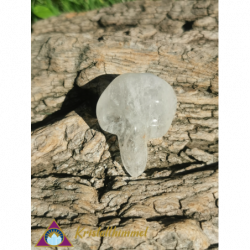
pixel 136 107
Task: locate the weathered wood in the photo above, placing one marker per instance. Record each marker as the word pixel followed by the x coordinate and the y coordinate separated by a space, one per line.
pixel 77 173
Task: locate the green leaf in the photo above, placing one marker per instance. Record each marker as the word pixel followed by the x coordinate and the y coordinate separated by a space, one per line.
pixel 42 11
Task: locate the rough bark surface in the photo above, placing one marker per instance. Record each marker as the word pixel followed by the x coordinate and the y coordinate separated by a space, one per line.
pixel 77 174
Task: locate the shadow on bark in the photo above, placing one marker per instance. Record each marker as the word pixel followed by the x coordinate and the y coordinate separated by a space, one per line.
pixel 81 99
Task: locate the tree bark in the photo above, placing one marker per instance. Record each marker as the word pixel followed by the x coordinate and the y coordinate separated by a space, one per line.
pixel 77 174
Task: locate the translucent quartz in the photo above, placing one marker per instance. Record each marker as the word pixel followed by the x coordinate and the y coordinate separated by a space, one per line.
pixel 136 107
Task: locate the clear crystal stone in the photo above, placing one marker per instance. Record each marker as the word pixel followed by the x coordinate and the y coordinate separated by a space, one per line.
pixel 136 107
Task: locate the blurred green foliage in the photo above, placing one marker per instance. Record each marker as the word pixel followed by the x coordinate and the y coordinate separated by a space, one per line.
pixel 42 9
